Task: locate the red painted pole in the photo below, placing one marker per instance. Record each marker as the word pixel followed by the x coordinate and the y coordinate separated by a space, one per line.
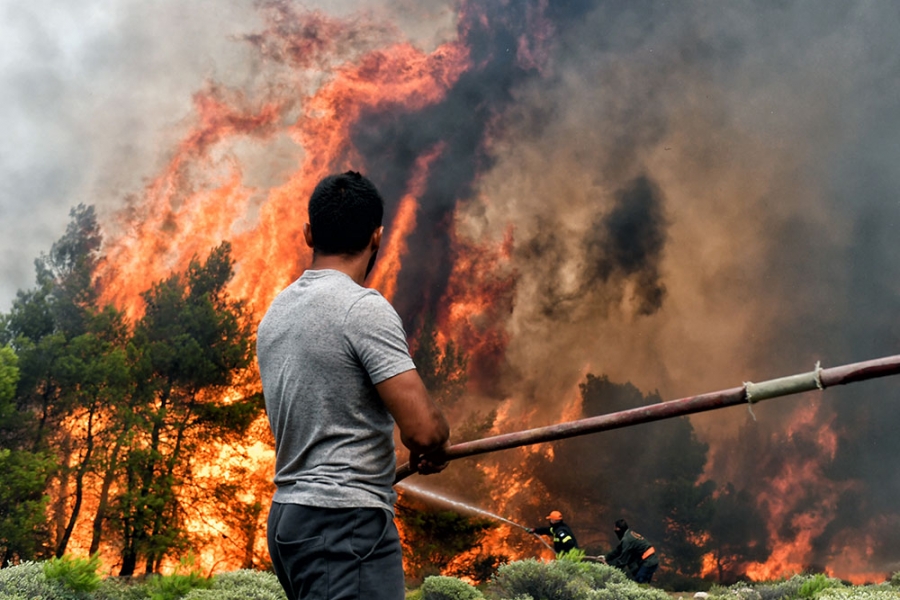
pixel 749 392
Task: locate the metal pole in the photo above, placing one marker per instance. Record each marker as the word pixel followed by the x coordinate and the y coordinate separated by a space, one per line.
pixel 749 392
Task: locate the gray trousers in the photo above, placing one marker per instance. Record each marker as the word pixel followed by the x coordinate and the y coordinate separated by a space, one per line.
pixel 335 554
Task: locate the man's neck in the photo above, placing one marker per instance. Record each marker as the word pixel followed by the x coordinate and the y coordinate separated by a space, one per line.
pixel 353 266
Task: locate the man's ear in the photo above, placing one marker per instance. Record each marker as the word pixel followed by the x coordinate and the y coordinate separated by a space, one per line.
pixel 375 242
pixel 307 235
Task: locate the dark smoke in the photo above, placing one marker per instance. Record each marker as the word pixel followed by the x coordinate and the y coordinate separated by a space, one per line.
pixel 391 140
pixel 628 243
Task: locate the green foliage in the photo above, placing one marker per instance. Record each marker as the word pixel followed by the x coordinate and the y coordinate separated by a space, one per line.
pixel 448 588
pixel 575 555
pixel 115 588
pixel 9 375
pixel 77 574
pixel 868 592
pixel 797 586
pixel 628 591
pixel 175 586
pixel 23 528
pixel 813 586
pixel 565 579
pixel 245 584
pixel 27 580
pixel 895 579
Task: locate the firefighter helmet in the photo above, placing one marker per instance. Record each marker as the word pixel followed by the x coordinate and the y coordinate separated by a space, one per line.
pixel 555 515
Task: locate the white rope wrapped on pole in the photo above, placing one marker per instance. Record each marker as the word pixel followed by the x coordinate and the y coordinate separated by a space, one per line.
pixel 750 393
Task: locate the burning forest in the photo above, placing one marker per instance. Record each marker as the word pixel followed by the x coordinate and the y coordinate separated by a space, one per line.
pixel 590 206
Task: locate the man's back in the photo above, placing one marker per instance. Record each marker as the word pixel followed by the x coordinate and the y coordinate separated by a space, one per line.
pixel 323 345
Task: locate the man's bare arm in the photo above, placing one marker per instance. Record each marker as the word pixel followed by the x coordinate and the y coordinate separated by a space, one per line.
pixel 423 428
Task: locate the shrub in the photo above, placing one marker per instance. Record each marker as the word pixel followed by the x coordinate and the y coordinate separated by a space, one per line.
pixel 815 584
pixel 178 584
pixel 114 588
pixel 559 579
pixel 873 592
pixel 597 575
pixel 27 580
pixel 77 574
pixel 895 579
pixel 448 588
pixel 783 589
pixel 175 586
pixel 245 584
pixel 628 591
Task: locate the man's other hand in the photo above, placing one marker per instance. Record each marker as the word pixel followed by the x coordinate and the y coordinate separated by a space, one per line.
pixel 431 462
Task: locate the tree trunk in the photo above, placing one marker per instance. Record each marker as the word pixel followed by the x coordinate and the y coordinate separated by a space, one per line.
pixel 79 486
pixel 97 529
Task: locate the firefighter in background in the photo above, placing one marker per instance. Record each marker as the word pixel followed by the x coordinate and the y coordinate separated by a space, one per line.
pixel 634 554
pixel 563 538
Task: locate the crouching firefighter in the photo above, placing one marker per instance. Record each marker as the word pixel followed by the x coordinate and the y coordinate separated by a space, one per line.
pixel 563 538
pixel 634 554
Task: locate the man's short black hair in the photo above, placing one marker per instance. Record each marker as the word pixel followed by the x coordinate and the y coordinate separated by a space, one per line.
pixel 344 211
pixel 621 524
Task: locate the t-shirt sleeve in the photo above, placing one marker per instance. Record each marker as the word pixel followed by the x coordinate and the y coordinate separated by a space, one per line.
pixel 375 333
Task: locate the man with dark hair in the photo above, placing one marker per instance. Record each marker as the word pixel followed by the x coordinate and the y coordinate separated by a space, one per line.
pixel 337 376
pixel 563 538
pixel 634 554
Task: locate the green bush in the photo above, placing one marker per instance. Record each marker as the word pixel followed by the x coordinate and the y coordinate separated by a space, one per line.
pixel 114 588
pixel 815 584
pixel 27 580
pixel 783 589
pixel 559 579
pixel 795 587
pixel 245 584
pixel 628 591
pixel 77 574
pixel 448 588
pixel 175 586
pixel 870 592
pixel 597 575
pixel 895 579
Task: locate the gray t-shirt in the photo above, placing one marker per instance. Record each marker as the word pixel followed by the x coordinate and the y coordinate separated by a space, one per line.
pixel 322 346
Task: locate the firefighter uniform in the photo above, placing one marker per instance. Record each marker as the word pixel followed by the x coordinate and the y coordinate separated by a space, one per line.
pixel 563 538
pixel 635 556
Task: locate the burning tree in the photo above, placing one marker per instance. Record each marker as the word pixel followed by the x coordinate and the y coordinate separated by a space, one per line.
pixel 127 408
pixel 187 352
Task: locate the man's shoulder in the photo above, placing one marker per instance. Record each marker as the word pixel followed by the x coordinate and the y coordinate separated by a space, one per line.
pixel 368 303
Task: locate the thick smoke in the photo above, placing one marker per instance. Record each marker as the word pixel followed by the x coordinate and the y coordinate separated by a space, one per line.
pixel 769 134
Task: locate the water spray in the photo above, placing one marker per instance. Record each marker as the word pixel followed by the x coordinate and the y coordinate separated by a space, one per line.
pixel 749 393
pixel 464 507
